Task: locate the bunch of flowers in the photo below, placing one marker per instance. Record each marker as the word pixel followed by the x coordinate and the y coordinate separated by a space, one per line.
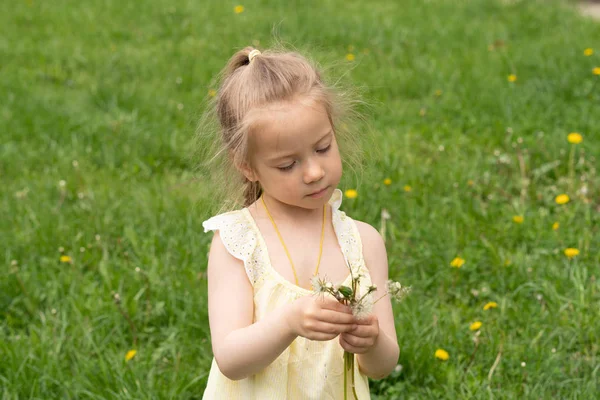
pixel 361 306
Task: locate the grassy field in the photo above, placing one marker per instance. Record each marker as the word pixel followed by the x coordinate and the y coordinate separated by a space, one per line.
pixel 101 238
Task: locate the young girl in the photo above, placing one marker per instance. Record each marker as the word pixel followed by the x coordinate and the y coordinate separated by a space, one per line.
pixel 272 336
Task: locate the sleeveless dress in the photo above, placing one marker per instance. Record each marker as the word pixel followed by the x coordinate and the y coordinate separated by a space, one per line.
pixel 307 369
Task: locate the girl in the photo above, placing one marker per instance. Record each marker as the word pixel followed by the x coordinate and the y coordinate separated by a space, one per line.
pixel 272 337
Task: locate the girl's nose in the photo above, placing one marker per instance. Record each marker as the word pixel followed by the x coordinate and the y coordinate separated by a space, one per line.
pixel 313 172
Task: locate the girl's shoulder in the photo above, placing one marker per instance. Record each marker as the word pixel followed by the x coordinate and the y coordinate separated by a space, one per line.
pixel 224 220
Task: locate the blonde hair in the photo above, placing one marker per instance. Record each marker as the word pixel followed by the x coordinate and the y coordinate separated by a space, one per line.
pixel 273 76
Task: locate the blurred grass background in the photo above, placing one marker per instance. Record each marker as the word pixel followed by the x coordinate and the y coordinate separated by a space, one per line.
pixel 100 104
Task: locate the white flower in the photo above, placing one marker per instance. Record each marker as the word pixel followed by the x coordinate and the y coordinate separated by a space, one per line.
pixel 396 290
pixel 362 309
pixel 316 284
pixel 385 214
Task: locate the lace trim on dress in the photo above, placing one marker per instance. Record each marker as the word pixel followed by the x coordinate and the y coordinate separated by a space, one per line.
pixel 243 240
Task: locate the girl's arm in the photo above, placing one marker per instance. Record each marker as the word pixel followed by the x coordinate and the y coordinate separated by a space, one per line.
pixel 381 360
pixel 243 348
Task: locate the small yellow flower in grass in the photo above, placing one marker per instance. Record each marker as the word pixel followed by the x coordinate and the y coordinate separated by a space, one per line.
pixel 387 181
pixel 351 193
pixel 407 188
pixel 574 138
pixel 66 259
pixel 507 263
pixel 475 325
pixel 562 199
pixel 588 52
pixel 350 57
pixel 571 252
pixel 491 304
pixel 518 219
pixel 238 9
pixel 457 262
pixel 442 354
pixel 512 78
pixel 130 354
pixel 212 92
pixel 438 93
pixel 470 182
pixel 596 71
pixel 555 226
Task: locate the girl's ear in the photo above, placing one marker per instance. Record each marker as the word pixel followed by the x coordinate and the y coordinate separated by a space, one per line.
pixel 248 172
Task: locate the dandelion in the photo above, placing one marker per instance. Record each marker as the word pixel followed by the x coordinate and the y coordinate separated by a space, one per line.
pixel 362 309
pixel 507 263
pixel 596 71
pixel 512 78
pixel 562 199
pixel 588 52
pixel 66 259
pixel 130 354
pixel 396 290
pixel 574 138
pixel 438 93
pixel 518 219
pixel 385 214
pixel 351 193
pixel 387 181
pixel 318 284
pixel 442 354
pixel 475 325
pixel 407 188
pixel 238 9
pixel 470 182
pixel 457 262
pixel 62 183
pixel 491 304
pixel 523 364
pixel 212 92
pixel 350 57
pixel 571 252
pixel 555 226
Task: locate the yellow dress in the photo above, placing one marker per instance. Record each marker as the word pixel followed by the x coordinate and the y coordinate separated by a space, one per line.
pixel 307 369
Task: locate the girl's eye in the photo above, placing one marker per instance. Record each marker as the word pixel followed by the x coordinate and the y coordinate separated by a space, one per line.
pixel 325 150
pixel 286 168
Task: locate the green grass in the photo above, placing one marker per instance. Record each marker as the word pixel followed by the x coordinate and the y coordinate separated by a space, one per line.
pixel 119 86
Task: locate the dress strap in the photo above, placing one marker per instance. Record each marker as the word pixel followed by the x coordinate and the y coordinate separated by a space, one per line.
pixel 347 233
pixel 239 239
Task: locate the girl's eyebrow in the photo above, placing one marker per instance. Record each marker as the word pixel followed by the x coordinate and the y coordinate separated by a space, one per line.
pixel 291 154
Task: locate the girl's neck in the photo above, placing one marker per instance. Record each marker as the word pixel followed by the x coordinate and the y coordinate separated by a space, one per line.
pixel 286 213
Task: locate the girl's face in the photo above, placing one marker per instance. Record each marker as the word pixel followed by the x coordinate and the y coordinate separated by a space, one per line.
pixel 294 154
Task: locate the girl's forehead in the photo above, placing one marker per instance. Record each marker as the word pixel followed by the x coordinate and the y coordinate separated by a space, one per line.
pixel 290 126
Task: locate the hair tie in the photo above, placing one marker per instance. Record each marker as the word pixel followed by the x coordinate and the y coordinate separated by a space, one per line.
pixel 253 54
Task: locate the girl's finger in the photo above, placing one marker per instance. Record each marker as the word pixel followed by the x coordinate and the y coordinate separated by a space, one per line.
pixel 336 317
pixel 357 343
pixel 328 328
pixel 348 347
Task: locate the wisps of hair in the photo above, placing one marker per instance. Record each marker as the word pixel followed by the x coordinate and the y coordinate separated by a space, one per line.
pixel 276 75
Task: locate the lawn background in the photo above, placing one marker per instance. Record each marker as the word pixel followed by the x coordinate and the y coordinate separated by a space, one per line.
pixel 105 96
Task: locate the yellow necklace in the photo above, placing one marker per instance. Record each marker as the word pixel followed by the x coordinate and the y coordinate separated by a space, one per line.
pixel 284 246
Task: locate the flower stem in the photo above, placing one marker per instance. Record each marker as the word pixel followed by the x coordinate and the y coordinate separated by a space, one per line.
pixel 349 367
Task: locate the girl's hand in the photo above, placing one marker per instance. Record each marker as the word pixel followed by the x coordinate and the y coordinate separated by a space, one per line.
pixel 363 338
pixel 319 318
